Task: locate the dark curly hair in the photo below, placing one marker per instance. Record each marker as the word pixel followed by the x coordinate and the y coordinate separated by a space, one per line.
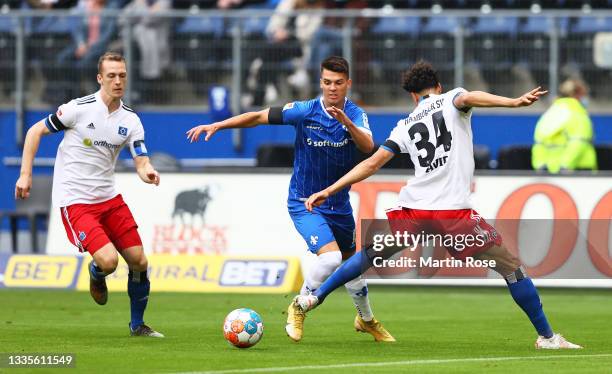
pixel 419 77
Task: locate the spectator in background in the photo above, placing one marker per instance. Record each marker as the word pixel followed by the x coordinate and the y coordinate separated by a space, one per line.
pixel 152 34
pixel 287 38
pixel 91 36
pixel 327 40
pixel 564 134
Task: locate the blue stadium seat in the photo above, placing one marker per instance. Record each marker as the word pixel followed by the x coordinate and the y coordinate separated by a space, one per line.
pixel 398 25
pixel 8 24
pixel 254 26
pixel 496 25
pixel 590 25
pixel 441 25
pixel 201 25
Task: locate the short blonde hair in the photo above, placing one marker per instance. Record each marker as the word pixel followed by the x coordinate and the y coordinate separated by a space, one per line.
pixel 571 87
pixel 109 56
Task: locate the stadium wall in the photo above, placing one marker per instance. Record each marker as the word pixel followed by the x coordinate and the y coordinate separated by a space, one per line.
pixel 560 233
pixel 165 132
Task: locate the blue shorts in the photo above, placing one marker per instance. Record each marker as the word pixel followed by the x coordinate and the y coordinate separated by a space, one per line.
pixel 319 228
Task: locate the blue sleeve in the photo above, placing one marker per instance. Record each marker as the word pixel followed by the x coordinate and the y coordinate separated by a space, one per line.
pixel 294 113
pixel 360 119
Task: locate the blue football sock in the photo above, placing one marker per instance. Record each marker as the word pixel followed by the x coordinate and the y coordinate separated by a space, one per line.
pixel 138 290
pixel 95 272
pixel 526 296
pixel 348 271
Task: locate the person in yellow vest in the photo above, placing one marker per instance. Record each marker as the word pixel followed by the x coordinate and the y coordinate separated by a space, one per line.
pixel 563 135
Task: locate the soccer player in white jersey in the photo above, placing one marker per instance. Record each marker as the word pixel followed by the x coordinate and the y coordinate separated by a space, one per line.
pixel 438 137
pixel 96 219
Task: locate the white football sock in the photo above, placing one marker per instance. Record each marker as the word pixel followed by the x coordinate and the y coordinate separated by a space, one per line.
pixel 358 289
pixel 325 264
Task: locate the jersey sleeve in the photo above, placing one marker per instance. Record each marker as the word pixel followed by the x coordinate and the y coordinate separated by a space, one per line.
pixel 64 118
pixel 360 119
pixel 294 113
pixel 136 141
pixel 397 140
pixel 456 93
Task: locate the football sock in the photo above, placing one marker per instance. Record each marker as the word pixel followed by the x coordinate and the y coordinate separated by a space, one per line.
pixel 138 290
pixel 526 296
pixel 95 272
pixel 322 267
pixel 358 289
pixel 350 269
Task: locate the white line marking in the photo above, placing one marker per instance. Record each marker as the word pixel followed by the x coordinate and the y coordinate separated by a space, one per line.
pixel 396 363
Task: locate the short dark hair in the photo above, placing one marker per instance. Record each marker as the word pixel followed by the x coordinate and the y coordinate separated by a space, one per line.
pixel 419 77
pixel 109 56
pixel 336 64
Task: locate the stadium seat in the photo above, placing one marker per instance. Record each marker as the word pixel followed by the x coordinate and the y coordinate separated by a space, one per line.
pixel 275 155
pixel 8 25
pixel 491 44
pixel 394 45
pixel 577 53
pixel 438 35
pixel 203 48
pixel 33 209
pixel 514 157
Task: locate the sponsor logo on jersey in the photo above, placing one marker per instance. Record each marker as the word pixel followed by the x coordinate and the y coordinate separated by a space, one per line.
pixel 122 131
pixel 288 106
pixel 318 128
pixel 326 143
pixel 105 144
pixel 87 142
pixel 91 126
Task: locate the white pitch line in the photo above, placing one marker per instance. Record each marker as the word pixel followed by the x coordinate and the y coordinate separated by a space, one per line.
pixel 395 363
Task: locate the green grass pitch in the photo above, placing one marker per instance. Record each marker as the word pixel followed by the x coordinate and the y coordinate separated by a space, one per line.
pixel 438 330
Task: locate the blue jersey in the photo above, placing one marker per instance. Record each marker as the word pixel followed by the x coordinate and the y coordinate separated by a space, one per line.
pixel 324 151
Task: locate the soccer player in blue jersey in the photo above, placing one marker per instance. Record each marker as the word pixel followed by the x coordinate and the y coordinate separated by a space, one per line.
pixel 330 129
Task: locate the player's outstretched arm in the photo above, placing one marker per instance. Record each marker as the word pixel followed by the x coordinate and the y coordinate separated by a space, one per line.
pixel 480 99
pixel 360 172
pixel 30 147
pixel 249 119
pixel 146 171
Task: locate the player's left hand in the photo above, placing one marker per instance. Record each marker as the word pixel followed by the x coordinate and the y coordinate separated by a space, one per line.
pixel 338 114
pixel 194 134
pixel 153 177
pixel 316 199
pixel 530 97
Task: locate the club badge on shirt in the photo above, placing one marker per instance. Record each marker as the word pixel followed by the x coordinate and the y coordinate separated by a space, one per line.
pixel 123 131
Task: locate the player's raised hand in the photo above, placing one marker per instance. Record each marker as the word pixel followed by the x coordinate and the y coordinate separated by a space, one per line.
pixel 531 97
pixel 194 134
pixel 23 186
pixel 316 199
pixel 338 114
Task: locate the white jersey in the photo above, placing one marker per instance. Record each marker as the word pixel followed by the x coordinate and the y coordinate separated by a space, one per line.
pixel 86 157
pixel 438 137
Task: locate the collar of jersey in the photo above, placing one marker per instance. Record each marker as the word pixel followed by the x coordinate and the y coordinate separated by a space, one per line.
pixel 323 106
pixel 98 97
pixel 423 98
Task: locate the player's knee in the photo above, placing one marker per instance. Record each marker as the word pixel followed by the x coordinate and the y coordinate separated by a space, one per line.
pixel 141 263
pixel 107 264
